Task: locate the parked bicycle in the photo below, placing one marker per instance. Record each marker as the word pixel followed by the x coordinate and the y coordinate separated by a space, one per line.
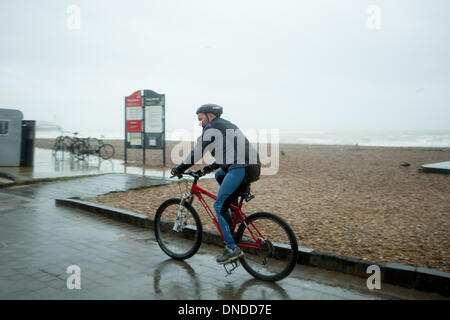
pixel 92 146
pixel 64 143
pixel 82 147
pixel 268 242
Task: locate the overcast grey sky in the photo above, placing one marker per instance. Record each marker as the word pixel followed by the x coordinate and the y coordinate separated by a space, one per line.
pixel 293 65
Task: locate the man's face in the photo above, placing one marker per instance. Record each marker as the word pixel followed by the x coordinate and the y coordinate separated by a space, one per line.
pixel 202 120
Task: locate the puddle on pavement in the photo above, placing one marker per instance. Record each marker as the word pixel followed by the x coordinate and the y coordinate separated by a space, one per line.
pixel 63 165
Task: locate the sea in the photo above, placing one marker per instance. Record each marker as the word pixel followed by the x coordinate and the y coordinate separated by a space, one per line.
pixel 432 139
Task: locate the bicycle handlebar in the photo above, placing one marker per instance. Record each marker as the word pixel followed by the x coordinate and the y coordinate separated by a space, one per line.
pixel 193 173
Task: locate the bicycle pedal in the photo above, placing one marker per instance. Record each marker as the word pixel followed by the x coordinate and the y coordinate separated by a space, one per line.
pixel 234 265
pixel 250 197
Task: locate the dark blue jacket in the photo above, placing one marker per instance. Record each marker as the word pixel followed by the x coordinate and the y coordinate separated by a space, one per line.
pixel 226 143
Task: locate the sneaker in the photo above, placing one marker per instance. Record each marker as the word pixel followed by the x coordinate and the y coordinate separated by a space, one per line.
pixel 229 255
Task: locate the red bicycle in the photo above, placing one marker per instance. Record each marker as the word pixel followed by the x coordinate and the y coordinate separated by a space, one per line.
pixel 268 242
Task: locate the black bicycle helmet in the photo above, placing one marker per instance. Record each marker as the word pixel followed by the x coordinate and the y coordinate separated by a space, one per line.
pixel 210 108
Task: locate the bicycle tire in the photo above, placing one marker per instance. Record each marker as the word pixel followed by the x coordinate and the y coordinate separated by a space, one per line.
pixel 58 146
pixel 168 239
pixel 283 259
pixel 106 151
pixel 55 147
pixel 68 142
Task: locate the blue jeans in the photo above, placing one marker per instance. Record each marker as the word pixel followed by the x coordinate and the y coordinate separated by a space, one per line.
pixel 229 183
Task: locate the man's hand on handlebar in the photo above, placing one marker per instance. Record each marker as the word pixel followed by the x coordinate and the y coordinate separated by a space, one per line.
pixel 176 173
pixel 207 169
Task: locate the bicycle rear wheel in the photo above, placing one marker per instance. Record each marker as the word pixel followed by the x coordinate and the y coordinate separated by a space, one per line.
pixel 180 242
pixel 276 256
pixel 106 151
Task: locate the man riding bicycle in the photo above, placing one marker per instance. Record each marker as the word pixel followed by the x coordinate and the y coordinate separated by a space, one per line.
pixel 238 162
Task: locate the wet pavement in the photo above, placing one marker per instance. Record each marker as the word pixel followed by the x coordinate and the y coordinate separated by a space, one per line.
pixel 49 165
pixel 61 165
pixel 87 186
pixel 39 241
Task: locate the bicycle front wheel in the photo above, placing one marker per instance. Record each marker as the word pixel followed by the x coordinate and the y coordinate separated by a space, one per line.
pixel 178 239
pixel 269 245
pixel 106 151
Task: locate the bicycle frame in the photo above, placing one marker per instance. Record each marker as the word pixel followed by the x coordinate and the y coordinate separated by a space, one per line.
pixel 199 191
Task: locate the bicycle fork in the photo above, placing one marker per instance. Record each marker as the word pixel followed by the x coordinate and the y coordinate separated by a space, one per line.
pixel 181 220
